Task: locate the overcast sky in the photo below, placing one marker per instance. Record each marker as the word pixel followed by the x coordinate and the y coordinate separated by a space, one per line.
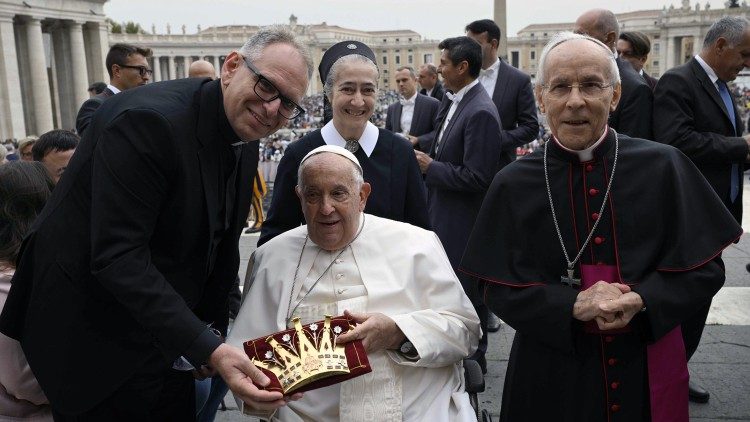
pixel 433 19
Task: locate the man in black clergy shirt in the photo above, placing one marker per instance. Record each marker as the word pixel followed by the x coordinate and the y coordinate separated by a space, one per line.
pixel 694 111
pixel 122 283
pixel 592 260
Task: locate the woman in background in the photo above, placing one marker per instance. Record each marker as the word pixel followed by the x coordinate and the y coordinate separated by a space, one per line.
pixel 24 188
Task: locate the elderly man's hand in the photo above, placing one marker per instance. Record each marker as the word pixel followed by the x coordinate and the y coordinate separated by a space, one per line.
pixel 239 373
pixel 587 305
pixel 621 309
pixel 423 160
pixel 413 139
pixel 377 332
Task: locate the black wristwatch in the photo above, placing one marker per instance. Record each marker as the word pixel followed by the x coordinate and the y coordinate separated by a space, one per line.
pixel 408 350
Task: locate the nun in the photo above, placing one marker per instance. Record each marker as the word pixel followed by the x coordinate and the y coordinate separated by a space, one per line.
pixel 350 84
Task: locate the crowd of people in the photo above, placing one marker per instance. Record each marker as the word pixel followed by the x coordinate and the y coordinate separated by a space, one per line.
pixel 407 214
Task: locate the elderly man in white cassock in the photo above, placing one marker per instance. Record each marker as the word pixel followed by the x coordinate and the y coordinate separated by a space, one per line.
pixel 392 278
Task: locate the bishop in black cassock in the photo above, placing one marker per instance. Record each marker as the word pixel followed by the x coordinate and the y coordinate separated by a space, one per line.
pixel 661 229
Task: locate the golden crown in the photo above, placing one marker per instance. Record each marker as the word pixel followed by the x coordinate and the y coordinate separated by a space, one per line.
pixel 305 355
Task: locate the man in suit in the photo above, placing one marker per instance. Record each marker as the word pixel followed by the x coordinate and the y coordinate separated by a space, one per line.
pixel 122 284
pixel 428 80
pixel 694 111
pixel 128 68
pixel 462 161
pixel 633 114
pixel 633 47
pixel 414 115
pixel 509 88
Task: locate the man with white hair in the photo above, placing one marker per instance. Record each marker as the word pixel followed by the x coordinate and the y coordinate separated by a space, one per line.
pixel 695 112
pixel 392 278
pixel 596 261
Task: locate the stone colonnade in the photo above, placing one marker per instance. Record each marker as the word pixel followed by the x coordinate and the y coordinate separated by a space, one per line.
pixel 46 66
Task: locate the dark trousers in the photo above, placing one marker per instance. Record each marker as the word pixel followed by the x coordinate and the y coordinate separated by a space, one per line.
pixel 692 328
pixel 474 289
pixel 163 396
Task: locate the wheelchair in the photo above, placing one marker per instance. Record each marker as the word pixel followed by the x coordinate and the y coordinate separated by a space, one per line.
pixel 474 384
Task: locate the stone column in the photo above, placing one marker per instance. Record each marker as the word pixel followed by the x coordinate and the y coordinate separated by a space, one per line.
pixel 99 37
pixel 40 93
pixel 172 69
pixel 501 20
pixel 157 69
pixel 78 62
pixel 11 107
pixel 216 65
pixel 188 62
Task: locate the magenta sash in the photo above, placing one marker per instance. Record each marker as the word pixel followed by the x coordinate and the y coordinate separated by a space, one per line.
pixel 667 364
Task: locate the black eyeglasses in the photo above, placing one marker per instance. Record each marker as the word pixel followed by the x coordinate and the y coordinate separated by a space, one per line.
pixel 142 70
pixel 268 92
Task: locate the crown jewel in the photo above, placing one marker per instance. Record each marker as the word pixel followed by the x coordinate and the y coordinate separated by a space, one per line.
pixel 305 354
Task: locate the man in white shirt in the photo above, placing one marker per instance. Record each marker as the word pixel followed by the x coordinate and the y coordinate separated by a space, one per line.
pixel 414 115
pixel 463 159
pixel 128 68
pixel 392 278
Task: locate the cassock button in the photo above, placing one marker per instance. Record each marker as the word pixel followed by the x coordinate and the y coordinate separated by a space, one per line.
pixel 615 408
pixel 598 240
pixel 593 192
pixel 609 339
pixel 595 216
pixel 589 167
pixel 611 361
pixel 614 385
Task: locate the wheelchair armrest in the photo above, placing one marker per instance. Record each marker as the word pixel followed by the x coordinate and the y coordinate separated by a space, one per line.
pixel 473 376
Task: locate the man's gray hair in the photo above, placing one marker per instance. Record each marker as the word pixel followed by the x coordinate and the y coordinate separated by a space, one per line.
pixel 562 37
pixel 273 34
pixel 731 28
pixel 356 174
pixel 412 73
pixel 349 59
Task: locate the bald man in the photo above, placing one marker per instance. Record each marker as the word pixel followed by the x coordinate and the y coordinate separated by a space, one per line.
pixel 633 114
pixel 201 69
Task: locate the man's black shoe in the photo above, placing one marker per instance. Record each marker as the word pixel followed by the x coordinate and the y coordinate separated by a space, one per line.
pixel 252 230
pixel 493 323
pixel 698 394
pixel 747 267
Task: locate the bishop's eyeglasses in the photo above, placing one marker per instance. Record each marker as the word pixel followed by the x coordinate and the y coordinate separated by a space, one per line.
pixel 589 90
pixel 268 92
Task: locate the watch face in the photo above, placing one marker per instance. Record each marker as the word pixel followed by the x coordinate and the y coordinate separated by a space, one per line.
pixel 407 347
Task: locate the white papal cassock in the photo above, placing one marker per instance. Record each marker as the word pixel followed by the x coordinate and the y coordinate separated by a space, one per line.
pixel 393 268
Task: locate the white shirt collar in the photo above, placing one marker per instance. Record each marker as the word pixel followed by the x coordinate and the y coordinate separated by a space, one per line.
pixel 492 70
pixel 458 96
pixel 113 89
pixel 412 100
pixel 709 71
pixel 588 153
pixel 367 142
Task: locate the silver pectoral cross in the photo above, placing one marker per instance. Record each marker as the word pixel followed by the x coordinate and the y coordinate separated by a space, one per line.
pixel 570 281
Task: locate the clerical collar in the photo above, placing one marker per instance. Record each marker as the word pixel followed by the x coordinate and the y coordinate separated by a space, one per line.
pixel 588 153
pixel 458 96
pixel 367 141
pixel 113 89
pixel 708 69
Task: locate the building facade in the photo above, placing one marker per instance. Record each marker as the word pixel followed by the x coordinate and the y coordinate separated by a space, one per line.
pixel 49 52
pixel 173 53
pixel 676 35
